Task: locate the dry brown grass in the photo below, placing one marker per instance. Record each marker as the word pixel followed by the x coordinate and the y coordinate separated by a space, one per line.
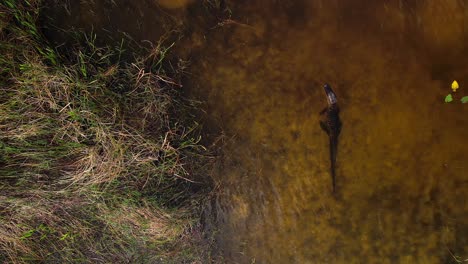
pixel 95 164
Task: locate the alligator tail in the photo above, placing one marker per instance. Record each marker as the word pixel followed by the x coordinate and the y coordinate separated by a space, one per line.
pixel 333 151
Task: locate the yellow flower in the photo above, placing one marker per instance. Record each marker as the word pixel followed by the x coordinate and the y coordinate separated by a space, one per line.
pixel 455 86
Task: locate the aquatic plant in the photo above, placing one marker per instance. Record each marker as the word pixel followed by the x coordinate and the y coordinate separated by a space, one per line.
pixel 455 86
pixel 97 162
pixel 448 98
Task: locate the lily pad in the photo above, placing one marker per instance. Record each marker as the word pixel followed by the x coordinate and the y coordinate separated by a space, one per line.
pixel 464 99
pixel 448 98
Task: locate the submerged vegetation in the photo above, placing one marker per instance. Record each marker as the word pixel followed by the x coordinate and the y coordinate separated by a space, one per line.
pixel 97 158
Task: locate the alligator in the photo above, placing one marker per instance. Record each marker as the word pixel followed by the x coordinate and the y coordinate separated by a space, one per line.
pixel 331 125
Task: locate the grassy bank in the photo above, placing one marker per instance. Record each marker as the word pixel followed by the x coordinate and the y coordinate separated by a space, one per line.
pixel 97 155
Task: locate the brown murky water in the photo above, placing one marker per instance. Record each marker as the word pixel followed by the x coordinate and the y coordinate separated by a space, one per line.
pixel 402 175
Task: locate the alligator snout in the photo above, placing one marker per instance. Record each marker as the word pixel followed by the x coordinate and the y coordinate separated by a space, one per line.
pixel 331 97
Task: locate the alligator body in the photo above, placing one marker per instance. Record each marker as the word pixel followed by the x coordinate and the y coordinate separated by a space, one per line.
pixel 332 125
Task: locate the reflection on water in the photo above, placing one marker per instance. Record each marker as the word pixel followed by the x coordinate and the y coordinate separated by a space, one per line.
pixel 402 175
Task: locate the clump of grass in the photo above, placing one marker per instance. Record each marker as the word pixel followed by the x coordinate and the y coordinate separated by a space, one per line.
pixel 95 163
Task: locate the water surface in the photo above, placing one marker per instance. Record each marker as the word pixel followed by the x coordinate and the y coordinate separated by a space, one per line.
pixel 402 156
